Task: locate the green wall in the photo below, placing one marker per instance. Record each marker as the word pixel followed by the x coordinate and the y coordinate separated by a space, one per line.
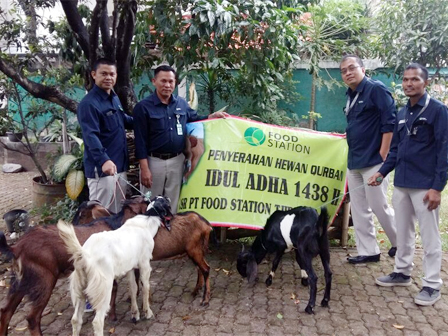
pixel 329 103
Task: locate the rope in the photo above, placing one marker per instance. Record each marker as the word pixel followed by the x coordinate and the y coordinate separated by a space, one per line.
pixel 147 195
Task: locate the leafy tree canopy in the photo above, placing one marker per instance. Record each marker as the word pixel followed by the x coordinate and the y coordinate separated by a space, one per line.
pixel 213 37
pixel 412 31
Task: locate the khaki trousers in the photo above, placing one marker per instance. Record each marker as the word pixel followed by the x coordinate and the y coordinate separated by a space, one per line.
pixel 364 201
pixel 166 178
pixel 408 205
pixel 107 191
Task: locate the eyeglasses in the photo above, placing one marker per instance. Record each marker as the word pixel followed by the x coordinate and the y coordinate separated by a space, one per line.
pixel 351 68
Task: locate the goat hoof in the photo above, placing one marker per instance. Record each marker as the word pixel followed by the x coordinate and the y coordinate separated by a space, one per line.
pixel 204 304
pixel 134 320
pixel 324 303
pixel 309 310
pixel 304 282
pixel 268 281
pixel 149 314
pixel 113 318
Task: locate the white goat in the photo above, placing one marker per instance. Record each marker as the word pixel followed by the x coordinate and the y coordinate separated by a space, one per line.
pixel 108 255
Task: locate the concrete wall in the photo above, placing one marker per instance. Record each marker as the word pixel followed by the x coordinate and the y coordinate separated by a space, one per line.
pixel 45 154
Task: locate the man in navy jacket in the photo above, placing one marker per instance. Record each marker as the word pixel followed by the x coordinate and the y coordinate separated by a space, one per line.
pixel 370 112
pixel 103 124
pixel 419 154
pixel 160 136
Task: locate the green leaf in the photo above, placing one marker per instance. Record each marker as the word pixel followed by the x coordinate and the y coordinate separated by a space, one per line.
pixel 63 165
pixel 211 18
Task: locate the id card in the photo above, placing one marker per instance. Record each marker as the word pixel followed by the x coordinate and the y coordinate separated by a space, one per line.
pixel 179 126
pixel 179 129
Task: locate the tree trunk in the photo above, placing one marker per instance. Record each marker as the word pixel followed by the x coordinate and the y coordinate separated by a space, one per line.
pixel 211 99
pixel 312 102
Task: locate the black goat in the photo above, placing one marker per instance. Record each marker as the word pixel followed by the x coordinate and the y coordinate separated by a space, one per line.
pixel 300 228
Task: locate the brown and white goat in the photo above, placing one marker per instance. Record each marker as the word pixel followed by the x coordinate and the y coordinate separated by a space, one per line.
pixel 189 236
pixel 301 229
pixel 108 255
pixel 40 258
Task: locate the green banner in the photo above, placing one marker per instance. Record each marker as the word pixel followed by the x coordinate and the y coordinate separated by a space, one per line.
pixel 238 171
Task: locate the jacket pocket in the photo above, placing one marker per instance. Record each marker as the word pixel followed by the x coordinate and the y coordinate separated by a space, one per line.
pixel 421 133
pixel 111 121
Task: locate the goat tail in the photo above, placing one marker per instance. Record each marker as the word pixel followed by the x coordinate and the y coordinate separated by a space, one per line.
pixel 322 221
pixel 68 235
pixel 86 278
pixel 5 249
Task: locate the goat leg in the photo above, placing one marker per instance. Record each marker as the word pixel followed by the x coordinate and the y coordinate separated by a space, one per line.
pixel 133 295
pixel 275 263
pixel 303 274
pixel 199 282
pixel 112 311
pixel 205 269
pixel 197 256
pixel 13 300
pixel 79 304
pixel 206 297
pixel 305 262
pixel 144 278
pixel 43 287
pixel 303 278
pixel 325 257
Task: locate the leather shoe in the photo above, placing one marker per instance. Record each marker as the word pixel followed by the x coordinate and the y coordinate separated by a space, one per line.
pixel 363 259
pixel 392 251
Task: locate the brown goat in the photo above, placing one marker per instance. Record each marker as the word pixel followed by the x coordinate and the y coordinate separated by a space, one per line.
pixel 40 258
pixel 189 235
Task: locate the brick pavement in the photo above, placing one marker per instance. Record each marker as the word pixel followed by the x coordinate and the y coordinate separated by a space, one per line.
pixel 357 306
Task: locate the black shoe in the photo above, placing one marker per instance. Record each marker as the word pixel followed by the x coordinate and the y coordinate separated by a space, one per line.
pixel 363 259
pixel 392 252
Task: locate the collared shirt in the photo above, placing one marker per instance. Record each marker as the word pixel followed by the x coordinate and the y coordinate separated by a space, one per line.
pixel 103 123
pixel 419 149
pixel 372 115
pixel 155 125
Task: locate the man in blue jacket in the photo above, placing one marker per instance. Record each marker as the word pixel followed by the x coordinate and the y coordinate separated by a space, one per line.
pixel 370 112
pixel 160 136
pixel 103 124
pixel 419 154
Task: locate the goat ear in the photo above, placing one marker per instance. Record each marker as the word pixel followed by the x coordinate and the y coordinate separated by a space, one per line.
pixel 252 270
pixel 137 208
pixel 98 211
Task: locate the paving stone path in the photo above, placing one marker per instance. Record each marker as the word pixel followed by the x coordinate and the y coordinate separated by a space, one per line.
pixel 357 306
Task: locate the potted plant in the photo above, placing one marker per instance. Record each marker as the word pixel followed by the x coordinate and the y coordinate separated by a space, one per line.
pixel 34 121
pixel 14 134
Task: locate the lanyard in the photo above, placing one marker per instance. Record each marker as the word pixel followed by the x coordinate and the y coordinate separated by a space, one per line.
pixel 349 106
pixel 428 97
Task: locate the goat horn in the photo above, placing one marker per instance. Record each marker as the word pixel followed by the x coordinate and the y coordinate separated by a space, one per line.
pixel 242 247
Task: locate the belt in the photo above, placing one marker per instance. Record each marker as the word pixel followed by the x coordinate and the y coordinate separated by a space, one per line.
pixel 164 156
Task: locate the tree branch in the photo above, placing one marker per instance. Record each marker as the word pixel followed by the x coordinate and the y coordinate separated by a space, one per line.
pixel 37 90
pixel 29 7
pixel 125 33
pixel 105 32
pixel 94 30
pixel 70 8
pixel 114 29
